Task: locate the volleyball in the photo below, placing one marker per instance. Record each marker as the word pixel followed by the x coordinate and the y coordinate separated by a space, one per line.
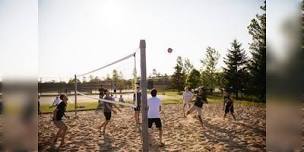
pixel 170 50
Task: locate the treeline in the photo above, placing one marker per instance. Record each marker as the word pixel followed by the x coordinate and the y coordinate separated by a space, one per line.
pixel 241 74
pixel 116 81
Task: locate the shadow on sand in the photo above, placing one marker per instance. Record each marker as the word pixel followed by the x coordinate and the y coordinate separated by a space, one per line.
pixel 107 143
pixel 215 135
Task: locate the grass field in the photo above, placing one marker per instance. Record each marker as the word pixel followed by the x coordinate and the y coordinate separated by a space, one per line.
pixel 166 97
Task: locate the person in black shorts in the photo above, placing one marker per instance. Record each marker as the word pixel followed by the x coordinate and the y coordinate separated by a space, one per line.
pixel 154 106
pixel 58 113
pixel 107 107
pixel 198 104
pixel 137 97
pixel 228 104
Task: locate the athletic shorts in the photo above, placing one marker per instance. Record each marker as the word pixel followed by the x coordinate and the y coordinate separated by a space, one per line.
pixel 157 122
pixel 108 115
pixel 59 123
pixel 137 108
pixel 229 109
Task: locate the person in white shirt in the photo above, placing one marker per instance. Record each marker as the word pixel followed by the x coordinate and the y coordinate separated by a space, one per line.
pixel 55 102
pixel 187 97
pixel 154 106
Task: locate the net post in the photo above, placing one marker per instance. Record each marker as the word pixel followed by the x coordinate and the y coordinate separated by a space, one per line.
pixel 75 93
pixel 143 85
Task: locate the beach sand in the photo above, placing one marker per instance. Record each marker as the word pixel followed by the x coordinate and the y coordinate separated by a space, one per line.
pixel 248 133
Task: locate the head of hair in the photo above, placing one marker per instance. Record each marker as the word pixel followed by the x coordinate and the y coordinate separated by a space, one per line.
pixel 61 97
pixel 153 92
pixel 201 91
pixel 186 88
pixel 106 92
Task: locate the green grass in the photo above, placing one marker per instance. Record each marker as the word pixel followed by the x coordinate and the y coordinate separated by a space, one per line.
pixel 169 97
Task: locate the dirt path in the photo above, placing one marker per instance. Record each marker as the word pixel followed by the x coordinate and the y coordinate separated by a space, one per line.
pixel 180 134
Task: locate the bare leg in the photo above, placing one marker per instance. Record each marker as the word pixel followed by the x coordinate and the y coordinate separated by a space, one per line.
pixel 190 110
pixel 104 126
pixel 59 132
pixel 224 115
pixel 101 125
pixel 200 119
pixel 150 137
pixel 184 105
pixel 136 115
pixel 233 116
pixel 161 137
pixel 65 128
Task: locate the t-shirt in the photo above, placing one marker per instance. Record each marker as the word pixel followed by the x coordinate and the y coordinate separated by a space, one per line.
pixel 138 98
pixel 106 105
pixel 228 102
pixel 60 110
pixel 154 105
pixel 199 101
pixel 56 101
pixel 187 96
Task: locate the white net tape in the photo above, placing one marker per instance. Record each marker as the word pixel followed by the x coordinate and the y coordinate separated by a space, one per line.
pixel 104 100
pixel 117 61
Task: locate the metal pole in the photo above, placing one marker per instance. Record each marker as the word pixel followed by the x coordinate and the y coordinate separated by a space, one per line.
pixel 143 85
pixel 75 92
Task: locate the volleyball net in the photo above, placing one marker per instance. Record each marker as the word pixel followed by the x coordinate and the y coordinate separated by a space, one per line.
pixel 119 78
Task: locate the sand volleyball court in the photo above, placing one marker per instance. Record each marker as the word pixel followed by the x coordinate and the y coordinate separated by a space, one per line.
pixel 180 134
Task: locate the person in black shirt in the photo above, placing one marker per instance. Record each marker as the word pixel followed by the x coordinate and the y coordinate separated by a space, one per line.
pixel 57 119
pixel 228 104
pixel 198 104
pixel 137 96
pixel 107 111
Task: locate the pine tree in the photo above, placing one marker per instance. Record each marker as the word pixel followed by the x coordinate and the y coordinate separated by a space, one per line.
pixel 235 71
pixel 178 77
pixel 257 65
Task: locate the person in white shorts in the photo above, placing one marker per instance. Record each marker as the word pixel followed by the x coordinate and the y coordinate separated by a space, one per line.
pixel 187 97
pixel 154 106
